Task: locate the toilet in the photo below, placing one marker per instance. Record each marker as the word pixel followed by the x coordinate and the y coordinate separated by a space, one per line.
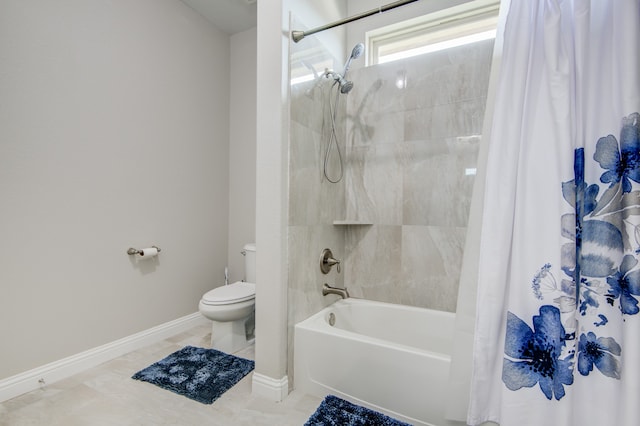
pixel 232 308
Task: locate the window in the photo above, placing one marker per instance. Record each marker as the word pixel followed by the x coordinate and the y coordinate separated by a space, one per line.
pixel 433 32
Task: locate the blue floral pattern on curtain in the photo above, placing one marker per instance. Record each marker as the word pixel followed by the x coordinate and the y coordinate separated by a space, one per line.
pixel 599 271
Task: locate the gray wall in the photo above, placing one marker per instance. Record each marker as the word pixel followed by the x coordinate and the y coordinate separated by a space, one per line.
pixel 114 129
pixel 242 149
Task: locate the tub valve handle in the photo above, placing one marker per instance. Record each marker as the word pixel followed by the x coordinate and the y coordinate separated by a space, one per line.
pixel 327 261
pixel 332 261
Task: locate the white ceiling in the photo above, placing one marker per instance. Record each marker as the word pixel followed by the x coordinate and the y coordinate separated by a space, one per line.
pixel 230 16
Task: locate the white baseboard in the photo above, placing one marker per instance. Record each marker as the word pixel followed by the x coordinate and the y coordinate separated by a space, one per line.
pixel 66 367
pixel 274 390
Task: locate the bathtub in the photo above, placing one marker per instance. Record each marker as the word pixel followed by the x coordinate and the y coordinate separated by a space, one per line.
pixel 391 358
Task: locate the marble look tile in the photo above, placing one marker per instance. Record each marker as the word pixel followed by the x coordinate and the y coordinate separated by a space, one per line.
pixel 374 91
pixel 436 79
pixel 29 398
pixel 305 174
pixel 306 104
pixel 312 199
pixel 376 128
pixel 372 266
pixel 106 395
pixel 411 151
pixel 305 246
pixel 374 184
pixel 314 202
pixel 434 293
pixel 48 410
pixel 448 77
pixel 304 276
pixel 432 258
pixel 438 181
pixel 444 121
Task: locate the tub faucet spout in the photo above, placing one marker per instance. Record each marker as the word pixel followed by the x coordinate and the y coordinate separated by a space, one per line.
pixel 327 289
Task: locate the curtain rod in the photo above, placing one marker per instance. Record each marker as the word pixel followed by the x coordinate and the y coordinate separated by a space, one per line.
pixel 296 36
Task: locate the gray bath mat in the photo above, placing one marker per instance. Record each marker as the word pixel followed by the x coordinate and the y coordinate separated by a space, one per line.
pixel 200 374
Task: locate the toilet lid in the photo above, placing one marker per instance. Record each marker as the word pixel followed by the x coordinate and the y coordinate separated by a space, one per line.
pixel 239 291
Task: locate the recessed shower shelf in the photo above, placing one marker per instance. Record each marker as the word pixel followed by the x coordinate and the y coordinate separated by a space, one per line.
pixel 349 222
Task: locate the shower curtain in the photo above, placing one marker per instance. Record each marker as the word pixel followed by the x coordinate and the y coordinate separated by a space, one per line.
pixel 557 337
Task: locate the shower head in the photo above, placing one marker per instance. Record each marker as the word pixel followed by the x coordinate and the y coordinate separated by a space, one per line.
pixel 344 84
pixel 356 52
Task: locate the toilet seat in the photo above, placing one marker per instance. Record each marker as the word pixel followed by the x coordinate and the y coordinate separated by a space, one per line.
pixel 237 292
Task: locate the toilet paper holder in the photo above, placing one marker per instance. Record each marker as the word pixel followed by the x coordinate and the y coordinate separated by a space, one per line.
pixel 132 251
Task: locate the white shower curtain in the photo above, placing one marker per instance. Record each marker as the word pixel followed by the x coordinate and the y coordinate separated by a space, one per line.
pixel 557 338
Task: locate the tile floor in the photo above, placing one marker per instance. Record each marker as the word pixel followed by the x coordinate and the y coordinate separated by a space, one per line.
pixel 106 395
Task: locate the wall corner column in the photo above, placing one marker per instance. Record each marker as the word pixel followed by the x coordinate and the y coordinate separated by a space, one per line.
pixel 270 376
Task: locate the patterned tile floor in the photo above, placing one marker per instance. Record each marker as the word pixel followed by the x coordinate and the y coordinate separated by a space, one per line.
pixel 106 395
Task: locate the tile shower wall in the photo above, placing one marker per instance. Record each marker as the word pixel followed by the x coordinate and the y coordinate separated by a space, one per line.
pixel 413 135
pixel 314 203
pixel 409 132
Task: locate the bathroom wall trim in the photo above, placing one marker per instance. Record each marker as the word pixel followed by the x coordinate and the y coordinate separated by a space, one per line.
pixel 275 390
pixel 49 373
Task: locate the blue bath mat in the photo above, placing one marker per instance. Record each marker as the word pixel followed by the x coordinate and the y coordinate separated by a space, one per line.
pixel 200 374
pixel 334 411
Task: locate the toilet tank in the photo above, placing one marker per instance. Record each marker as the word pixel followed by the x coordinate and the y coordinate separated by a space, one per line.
pixel 249 251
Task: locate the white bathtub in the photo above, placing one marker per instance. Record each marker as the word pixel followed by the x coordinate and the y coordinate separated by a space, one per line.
pixel 391 358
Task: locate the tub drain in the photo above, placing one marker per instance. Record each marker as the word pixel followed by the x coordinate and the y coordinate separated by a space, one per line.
pixel 332 319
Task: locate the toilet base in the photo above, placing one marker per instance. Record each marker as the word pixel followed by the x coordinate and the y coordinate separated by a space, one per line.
pixel 231 336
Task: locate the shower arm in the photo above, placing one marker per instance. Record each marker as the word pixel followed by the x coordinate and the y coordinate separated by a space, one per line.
pixel 296 36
